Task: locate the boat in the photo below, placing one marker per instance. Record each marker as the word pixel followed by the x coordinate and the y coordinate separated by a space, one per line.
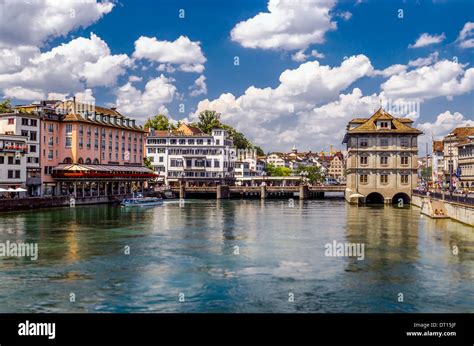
pixel 141 201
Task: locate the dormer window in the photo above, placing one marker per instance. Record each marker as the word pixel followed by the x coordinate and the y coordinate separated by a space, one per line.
pixel 384 125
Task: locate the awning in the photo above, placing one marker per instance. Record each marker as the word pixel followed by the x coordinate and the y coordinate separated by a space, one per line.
pixel 101 168
pixel 356 195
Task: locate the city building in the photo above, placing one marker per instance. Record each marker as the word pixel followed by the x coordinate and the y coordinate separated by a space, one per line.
pixel 336 166
pixel 466 164
pixel 437 162
pixel 277 160
pixel 450 152
pixel 256 163
pixel 381 163
pixel 86 150
pixel 188 155
pixel 241 170
pixel 13 157
pixel 26 125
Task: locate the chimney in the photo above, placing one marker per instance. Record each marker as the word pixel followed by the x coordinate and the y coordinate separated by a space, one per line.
pixel 74 104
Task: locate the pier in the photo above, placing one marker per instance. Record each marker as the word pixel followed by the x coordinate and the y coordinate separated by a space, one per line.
pixel 263 192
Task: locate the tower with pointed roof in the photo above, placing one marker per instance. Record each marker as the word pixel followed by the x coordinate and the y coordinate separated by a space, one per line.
pixel 381 163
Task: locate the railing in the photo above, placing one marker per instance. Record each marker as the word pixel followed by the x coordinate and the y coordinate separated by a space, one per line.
pixel 447 197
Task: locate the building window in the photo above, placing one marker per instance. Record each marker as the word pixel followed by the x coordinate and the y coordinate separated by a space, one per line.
pixel 404 160
pixel 10 174
pixel 33 122
pixel 33 136
pixel 24 121
pixel 216 163
pixel 24 133
pixel 96 144
pixel 364 142
pixel 363 160
pixel 11 121
pixel 2 160
pixel 68 129
pixel 50 155
pixel 50 128
pixel 384 160
pixel 404 179
pixel 404 142
pixel 384 142
pixel 363 178
pixel 81 142
pixel 161 158
pixel 32 148
pixel 384 179
pixel 68 142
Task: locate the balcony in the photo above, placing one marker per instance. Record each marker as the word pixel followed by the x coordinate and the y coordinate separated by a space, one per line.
pixel 14 148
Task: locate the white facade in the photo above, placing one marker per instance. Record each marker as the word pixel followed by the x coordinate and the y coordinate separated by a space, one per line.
pixel 242 169
pixel 13 151
pixel 195 158
pixel 27 126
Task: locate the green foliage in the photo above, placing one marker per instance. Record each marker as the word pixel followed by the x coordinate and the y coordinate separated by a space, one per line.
pixel 277 171
pixel 159 122
pixel 314 174
pixel 6 106
pixel 426 173
pixel 147 162
pixel 209 120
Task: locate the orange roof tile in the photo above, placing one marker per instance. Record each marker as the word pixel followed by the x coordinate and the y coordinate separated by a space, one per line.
pixel 369 126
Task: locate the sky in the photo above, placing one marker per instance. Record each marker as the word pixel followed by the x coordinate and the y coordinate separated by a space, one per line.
pixel 283 72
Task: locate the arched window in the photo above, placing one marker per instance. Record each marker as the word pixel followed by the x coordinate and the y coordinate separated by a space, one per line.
pixel 96 161
pixel 67 160
pixel 80 161
pixel 88 161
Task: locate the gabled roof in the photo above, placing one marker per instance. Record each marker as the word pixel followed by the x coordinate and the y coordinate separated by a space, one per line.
pixel 369 125
pixel 188 130
pixel 462 132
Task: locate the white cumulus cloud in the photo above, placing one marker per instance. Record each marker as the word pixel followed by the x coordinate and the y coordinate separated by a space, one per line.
pixel 182 53
pixel 287 25
pixel 34 22
pixel 142 104
pixel 426 39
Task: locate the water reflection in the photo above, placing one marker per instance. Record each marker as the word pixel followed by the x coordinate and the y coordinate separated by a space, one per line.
pixel 190 249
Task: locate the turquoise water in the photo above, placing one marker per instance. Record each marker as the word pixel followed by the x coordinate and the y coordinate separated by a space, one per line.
pixel 191 251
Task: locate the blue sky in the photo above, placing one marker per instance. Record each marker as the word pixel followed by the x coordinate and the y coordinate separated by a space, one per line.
pixel 353 42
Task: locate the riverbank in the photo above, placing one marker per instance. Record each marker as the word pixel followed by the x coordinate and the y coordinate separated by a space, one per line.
pixel 13 204
pixel 436 208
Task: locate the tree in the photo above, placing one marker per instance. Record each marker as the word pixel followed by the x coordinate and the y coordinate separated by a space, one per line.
pixel 159 122
pixel 313 173
pixel 147 162
pixel 6 106
pixel 277 171
pixel 209 120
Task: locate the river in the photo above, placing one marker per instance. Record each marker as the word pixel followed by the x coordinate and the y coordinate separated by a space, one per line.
pixel 236 256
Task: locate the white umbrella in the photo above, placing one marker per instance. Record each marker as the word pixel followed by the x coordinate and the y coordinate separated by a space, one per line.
pixel 11 190
pixel 2 190
pixel 20 189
